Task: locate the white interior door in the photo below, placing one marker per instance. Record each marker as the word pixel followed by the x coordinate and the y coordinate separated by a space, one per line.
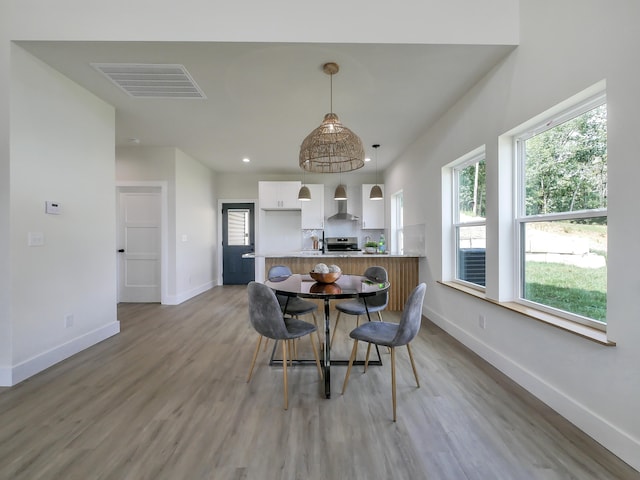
pixel 139 244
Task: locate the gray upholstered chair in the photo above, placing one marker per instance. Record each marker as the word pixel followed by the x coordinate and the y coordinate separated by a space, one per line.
pixel 295 306
pixel 356 307
pixel 268 320
pixel 391 335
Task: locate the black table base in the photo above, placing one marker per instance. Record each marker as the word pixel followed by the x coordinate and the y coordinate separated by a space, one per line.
pixel 346 286
pixel 326 360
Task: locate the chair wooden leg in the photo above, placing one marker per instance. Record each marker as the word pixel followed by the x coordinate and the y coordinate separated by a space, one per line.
pixel 335 328
pixel 393 381
pixel 315 354
pixel 255 355
pixel 413 365
pixel 266 341
pixel 357 321
pixel 315 322
pixel 366 360
pixel 351 359
pixel 291 350
pixel 284 374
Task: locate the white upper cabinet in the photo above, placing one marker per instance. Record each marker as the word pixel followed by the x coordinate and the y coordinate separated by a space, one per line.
pixel 279 195
pixel 313 210
pixel 372 210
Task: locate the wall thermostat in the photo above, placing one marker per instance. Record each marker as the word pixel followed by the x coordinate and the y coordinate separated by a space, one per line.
pixel 52 208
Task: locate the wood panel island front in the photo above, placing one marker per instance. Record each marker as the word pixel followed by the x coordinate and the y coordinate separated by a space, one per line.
pixel 402 269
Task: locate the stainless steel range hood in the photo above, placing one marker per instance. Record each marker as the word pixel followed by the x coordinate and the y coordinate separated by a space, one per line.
pixel 342 212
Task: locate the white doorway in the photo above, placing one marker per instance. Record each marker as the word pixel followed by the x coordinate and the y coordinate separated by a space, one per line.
pixel 140 243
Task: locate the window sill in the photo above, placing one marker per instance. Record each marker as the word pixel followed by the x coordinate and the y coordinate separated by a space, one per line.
pixel 568 326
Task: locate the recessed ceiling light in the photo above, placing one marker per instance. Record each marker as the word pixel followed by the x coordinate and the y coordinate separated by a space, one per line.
pixel 246 160
pixel 367 159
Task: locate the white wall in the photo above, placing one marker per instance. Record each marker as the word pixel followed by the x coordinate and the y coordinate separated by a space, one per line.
pixel 565 48
pixel 71 161
pixel 5 251
pixel 191 211
pixel 149 164
pixel 359 21
pixel 280 231
pixel 245 185
pixel 195 233
pixel 146 164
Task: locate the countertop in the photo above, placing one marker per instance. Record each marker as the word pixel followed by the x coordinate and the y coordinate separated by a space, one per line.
pixel 319 254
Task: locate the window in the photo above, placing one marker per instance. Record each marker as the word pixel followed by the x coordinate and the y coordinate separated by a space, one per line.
pixel 469 224
pixel 397 235
pixel 561 214
pixel 238 226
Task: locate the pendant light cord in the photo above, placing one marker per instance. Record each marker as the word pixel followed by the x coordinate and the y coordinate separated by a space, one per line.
pixel 376 146
pixel 331 93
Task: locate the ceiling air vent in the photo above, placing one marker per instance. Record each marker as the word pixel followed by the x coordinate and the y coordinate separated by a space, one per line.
pixel 151 80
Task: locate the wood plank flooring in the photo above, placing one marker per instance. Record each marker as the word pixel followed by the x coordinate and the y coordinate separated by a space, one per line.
pixel 167 399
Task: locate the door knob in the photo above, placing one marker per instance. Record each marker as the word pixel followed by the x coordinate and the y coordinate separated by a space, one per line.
pixel 121 250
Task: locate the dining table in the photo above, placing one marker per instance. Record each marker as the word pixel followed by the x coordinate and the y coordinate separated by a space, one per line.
pixel 347 286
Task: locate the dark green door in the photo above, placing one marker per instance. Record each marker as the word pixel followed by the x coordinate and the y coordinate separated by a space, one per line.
pixel 238 238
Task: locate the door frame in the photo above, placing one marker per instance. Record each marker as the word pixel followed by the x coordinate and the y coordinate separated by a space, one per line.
pixel 164 233
pixel 222 201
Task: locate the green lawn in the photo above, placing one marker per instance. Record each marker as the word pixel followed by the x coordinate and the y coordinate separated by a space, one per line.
pixel 582 291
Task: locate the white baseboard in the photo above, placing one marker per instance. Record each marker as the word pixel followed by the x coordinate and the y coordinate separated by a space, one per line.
pixel 5 376
pixel 184 296
pixel 16 374
pixel 610 436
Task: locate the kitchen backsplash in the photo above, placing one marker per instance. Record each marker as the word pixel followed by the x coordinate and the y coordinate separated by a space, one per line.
pixel 340 228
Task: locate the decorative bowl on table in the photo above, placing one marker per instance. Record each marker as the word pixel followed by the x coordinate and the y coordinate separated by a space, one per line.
pixel 325 277
pixel 325 288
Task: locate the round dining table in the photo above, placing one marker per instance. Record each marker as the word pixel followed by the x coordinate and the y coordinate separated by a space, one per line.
pixel 347 286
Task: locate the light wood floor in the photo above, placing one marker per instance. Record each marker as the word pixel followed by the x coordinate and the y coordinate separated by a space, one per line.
pixel 167 399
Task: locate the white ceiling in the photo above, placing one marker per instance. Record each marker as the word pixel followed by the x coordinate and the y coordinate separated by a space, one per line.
pixel 264 98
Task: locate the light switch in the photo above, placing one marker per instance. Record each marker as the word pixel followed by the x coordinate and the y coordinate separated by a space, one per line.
pixel 185 238
pixel 35 239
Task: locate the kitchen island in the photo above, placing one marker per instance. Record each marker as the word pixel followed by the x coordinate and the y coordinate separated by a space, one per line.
pixel 402 269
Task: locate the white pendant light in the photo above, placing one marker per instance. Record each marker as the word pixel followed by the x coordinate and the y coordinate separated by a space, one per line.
pixel 376 191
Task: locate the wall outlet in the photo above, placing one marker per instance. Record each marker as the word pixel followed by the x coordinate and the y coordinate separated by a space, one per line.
pixel 68 321
pixel 482 321
pixel 35 239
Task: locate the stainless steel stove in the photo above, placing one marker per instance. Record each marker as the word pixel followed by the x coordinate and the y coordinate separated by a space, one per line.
pixel 341 244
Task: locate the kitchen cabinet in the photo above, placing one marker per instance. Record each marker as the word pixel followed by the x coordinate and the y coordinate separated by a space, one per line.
pixel 372 210
pixel 313 210
pixel 279 195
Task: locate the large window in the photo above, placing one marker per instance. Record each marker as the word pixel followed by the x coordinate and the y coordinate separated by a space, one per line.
pixel 469 224
pixel 561 218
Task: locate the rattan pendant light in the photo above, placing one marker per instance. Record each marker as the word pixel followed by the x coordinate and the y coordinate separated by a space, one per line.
pixel 332 147
pixel 376 191
pixel 304 194
pixel 340 193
